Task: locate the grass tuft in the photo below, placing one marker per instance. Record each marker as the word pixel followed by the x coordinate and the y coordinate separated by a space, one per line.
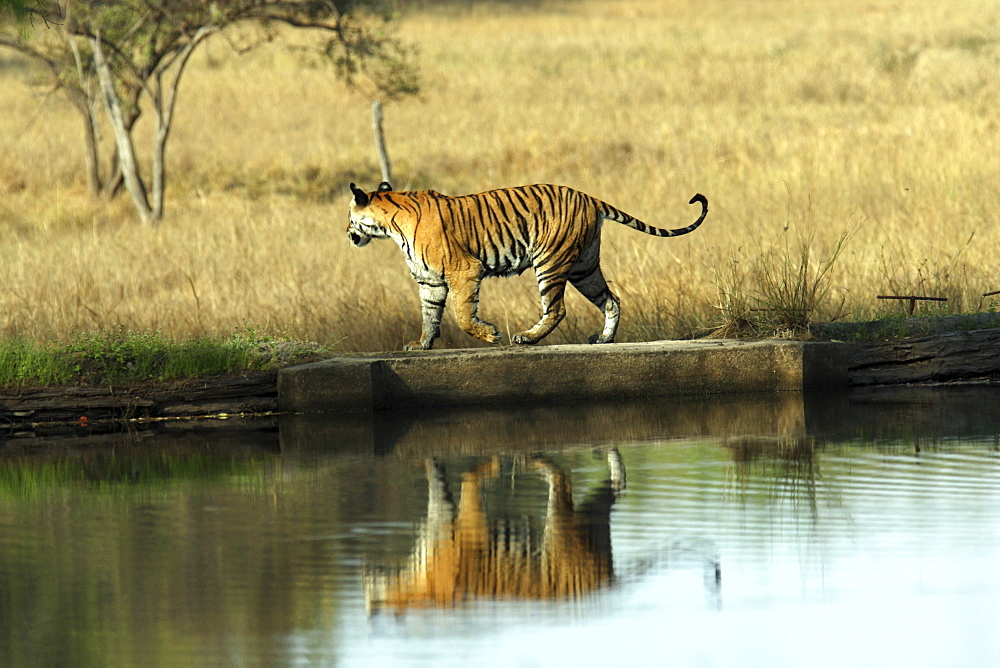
pixel 778 292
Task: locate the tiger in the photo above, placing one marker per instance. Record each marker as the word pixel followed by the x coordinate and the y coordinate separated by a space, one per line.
pixel 463 553
pixel 452 243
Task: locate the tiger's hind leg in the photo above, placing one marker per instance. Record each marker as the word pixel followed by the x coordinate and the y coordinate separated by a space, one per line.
pixel 592 285
pixel 552 288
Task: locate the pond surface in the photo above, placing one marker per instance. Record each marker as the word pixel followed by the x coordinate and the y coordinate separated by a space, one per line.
pixel 854 529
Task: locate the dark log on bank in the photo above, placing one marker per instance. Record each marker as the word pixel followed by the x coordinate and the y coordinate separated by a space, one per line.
pixel 252 392
pixel 951 356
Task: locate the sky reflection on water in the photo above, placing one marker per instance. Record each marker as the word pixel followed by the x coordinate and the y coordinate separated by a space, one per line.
pixel 861 529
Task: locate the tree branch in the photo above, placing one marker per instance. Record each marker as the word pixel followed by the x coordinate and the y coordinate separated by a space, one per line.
pixel 165 112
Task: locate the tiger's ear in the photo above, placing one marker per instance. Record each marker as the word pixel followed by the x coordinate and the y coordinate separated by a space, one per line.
pixel 360 197
pixel 384 187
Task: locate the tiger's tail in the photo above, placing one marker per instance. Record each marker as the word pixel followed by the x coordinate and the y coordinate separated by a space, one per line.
pixel 614 214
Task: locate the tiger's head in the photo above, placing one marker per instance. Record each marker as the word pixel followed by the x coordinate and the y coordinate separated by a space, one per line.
pixel 364 224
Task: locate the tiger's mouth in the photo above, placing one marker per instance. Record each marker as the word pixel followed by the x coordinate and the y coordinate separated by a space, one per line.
pixel 357 239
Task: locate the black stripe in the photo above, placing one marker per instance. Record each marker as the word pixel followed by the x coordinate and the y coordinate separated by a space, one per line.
pixel 441 216
pixel 536 194
pixel 577 275
pixel 502 228
pixel 519 194
pixel 499 201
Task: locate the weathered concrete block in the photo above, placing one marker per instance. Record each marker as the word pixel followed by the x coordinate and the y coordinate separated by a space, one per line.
pixel 338 384
pixel 498 376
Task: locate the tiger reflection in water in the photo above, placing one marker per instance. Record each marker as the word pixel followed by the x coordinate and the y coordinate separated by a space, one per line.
pixel 461 554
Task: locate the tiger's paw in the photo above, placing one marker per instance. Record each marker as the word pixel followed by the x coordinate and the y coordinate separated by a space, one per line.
pixel 523 338
pixel 596 338
pixel 486 332
pixel 415 345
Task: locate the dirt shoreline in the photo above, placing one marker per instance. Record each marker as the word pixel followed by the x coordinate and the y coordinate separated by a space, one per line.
pixel 943 355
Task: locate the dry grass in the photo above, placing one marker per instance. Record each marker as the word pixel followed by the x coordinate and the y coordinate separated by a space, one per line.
pixel 799 122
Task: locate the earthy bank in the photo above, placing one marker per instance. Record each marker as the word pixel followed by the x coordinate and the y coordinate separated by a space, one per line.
pixel 496 376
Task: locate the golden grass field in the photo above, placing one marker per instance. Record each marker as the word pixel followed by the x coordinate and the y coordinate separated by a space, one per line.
pixel 804 123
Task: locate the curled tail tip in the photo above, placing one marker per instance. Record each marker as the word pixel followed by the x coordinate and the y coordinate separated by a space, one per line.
pixel 699 199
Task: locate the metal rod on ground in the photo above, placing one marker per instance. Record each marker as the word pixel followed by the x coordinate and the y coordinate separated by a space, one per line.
pixel 913 300
pixel 988 294
pixel 383 155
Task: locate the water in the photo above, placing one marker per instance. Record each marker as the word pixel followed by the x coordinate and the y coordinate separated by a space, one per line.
pixel 856 529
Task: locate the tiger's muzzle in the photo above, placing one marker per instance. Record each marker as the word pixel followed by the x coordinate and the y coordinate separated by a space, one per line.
pixel 357 238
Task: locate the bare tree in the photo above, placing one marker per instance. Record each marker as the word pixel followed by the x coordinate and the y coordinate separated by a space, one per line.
pixel 129 56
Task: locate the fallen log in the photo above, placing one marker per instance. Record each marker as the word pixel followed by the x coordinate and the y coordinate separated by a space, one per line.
pixel 949 356
pixel 251 392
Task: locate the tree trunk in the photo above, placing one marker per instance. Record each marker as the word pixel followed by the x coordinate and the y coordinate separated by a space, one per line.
pixel 92 161
pixel 113 185
pixel 383 155
pixel 85 104
pixel 123 138
pixel 164 104
pixel 160 147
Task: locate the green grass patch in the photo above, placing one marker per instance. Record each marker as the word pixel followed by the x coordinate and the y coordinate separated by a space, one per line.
pixel 103 358
pixel 24 362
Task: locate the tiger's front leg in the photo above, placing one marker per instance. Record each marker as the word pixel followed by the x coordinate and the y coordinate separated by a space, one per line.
pixel 465 301
pixel 433 294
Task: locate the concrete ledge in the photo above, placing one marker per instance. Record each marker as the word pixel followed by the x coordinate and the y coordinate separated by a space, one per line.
pixel 551 374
